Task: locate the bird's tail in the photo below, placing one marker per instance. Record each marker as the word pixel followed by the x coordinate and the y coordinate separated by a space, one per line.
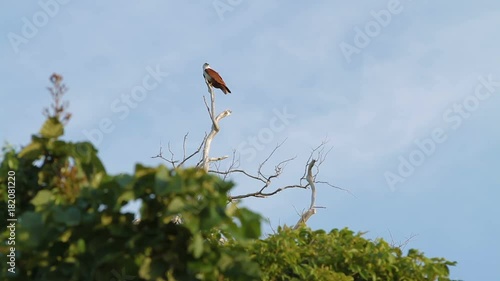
pixel 226 90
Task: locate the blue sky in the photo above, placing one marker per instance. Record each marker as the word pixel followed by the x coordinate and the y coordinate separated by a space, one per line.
pixel 409 103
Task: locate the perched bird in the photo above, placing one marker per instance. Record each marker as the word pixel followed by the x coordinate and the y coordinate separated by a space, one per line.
pixel 214 79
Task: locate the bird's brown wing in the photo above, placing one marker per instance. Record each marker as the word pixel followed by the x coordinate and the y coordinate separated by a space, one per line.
pixel 215 76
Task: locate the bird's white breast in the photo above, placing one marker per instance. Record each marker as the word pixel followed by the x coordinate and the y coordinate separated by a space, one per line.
pixel 207 77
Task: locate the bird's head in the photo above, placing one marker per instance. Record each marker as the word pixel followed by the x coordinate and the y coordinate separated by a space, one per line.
pixel 205 65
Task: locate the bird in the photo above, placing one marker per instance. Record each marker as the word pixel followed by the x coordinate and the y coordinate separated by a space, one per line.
pixel 213 78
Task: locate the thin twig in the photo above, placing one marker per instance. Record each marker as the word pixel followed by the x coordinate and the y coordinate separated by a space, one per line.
pixel 160 155
pixel 194 153
pixel 238 171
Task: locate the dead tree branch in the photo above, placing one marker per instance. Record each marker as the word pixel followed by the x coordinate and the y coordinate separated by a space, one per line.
pixel 401 245
pixel 264 179
pixel 184 158
pixel 160 155
pixel 312 209
pixel 205 163
pixel 194 153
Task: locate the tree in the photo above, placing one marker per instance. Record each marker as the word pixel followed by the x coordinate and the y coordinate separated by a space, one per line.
pixel 265 180
pixel 68 225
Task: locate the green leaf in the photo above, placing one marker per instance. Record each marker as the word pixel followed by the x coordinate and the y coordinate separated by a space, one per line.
pixel 141 171
pixel 161 181
pixel 196 246
pixel 73 216
pixel 250 222
pixel 58 214
pixel 42 197
pixel 80 244
pixel 124 180
pixel 52 128
pixel 126 196
pixel 70 216
pixel 32 150
pixel 12 162
pixel 225 261
pixel 145 270
pixel 83 151
pixel 176 183
pixel 31 229
pixel 157 269
pixel 176 205
pixel 59 147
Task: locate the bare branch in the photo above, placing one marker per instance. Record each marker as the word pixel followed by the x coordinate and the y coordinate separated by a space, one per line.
pixel 215 159
pixel 184 146
pixel 184 158
pixel 401 245
pixel 160 155
pixel 266 180
pixel 309 174
pixel 210 113
pixel 205 163
pixel 270 225
pixel 331 185
pixel 260 194
pixel 310 180
pixel 317 149
pixel 269 157
pixel 171 154
pixel 238 171
pixel 405 243
pixel 194 153
pixel 312 210
pixel 311 170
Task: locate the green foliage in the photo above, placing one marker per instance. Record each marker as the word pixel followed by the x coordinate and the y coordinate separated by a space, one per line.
pixel 70 225
pixel 341 255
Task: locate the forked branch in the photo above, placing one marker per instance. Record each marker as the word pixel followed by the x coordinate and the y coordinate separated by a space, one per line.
pixel 205 162
pixel 312 209
pixel 185 158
